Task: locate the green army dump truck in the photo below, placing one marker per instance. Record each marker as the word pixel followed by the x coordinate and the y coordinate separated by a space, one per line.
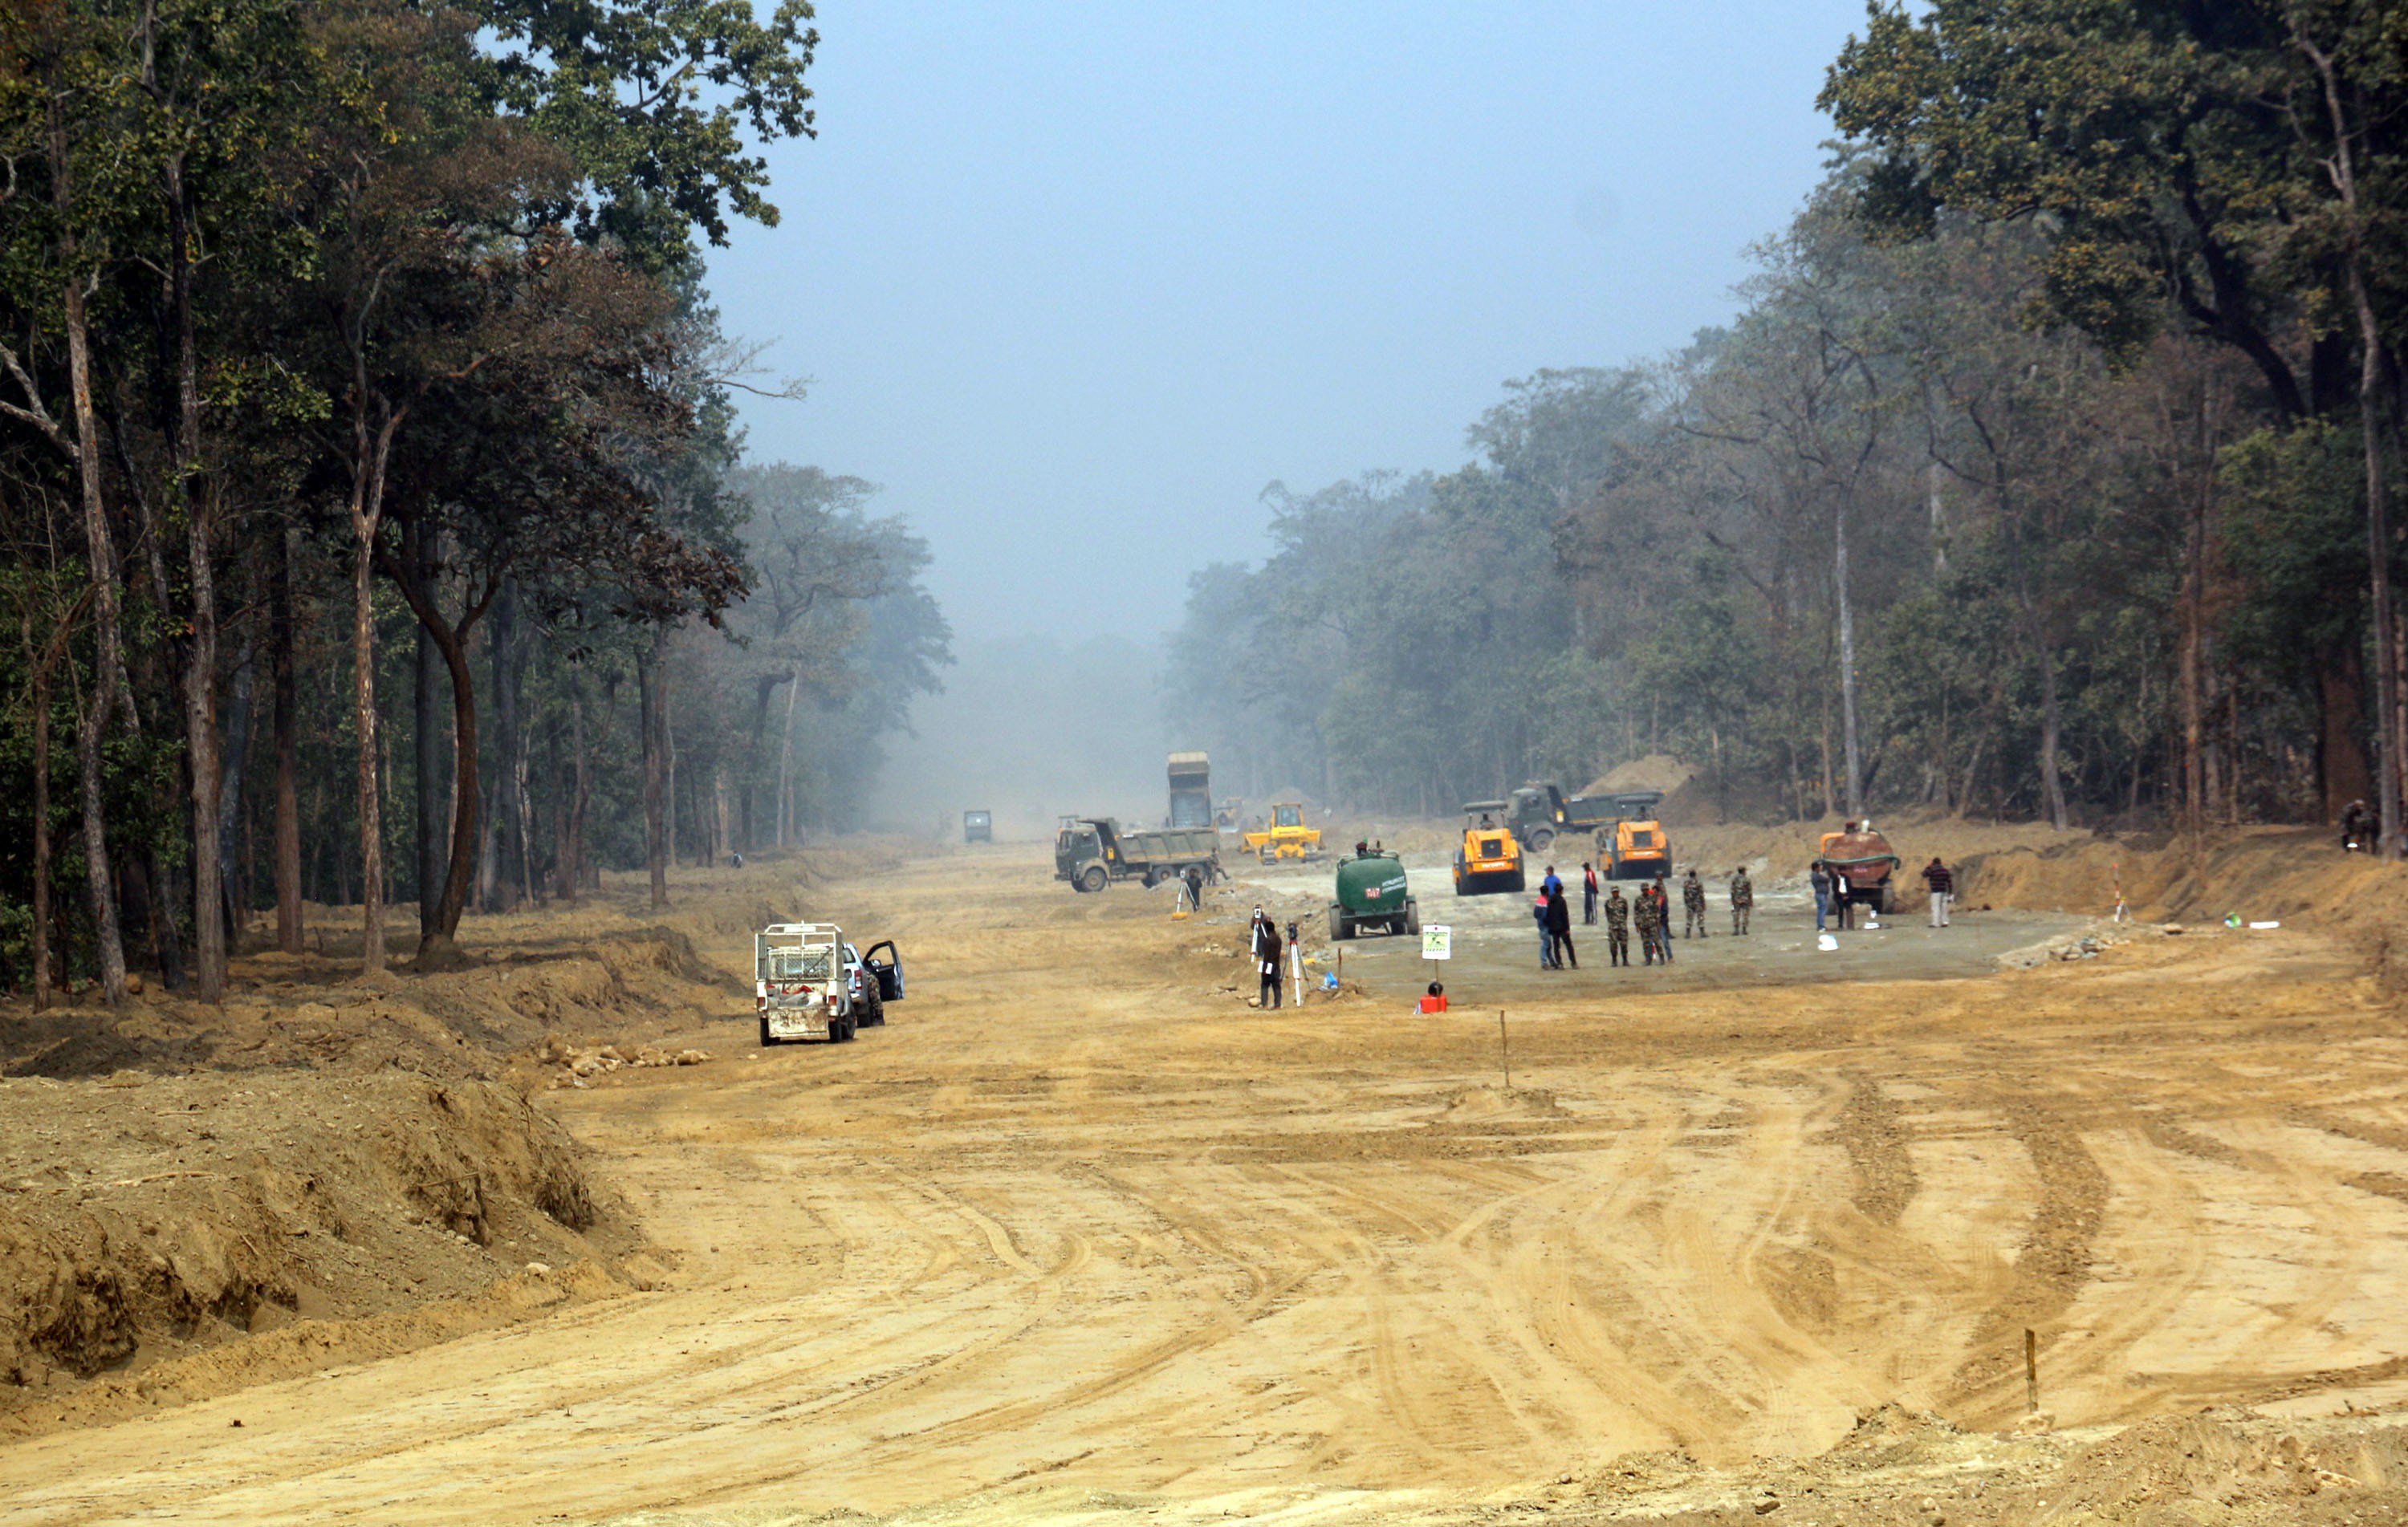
pixel 1539 813
pixel 1091 852
pixel 1373 897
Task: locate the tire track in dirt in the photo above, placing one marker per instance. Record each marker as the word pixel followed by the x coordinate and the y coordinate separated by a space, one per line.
pixel 2054 1263
pixel 1875 1140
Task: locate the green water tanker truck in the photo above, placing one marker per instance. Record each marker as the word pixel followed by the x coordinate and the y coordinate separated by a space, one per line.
pixel 1372 897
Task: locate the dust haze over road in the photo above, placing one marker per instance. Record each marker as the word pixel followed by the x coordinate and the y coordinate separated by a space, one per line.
pixel 1031 728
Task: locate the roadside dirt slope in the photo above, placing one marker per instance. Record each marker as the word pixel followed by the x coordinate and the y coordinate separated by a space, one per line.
pixel 329 1167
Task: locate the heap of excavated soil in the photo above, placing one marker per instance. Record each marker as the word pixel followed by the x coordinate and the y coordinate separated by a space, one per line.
pixel 330 1167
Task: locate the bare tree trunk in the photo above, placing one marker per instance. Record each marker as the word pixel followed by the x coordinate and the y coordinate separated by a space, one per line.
pixel 368 514
pixel 427 742
pixel 2232 753
pixel 510 686
pixel 657 843
pixel 724 793
pixel 102 552
pixel 785 768
pixel 1939 511
pixel 230 831
pixel 2399 698
pixel 2342 169
pixel 201 669
pixel 41 930
pixel 2388 753
pixel 668 749
pixel 2194 642
pixel 572 858
pixel 462 866
pixel 288 746
pixel 1852 752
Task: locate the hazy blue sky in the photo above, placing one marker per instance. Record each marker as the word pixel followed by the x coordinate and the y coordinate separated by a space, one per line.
pixel 1075 281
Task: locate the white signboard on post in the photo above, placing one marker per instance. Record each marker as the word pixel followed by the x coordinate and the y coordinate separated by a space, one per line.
pixel 1437 941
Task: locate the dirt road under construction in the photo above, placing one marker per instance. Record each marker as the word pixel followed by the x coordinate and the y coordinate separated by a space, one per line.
pixel 1082 1234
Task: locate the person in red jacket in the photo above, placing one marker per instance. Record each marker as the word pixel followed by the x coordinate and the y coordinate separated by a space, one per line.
pixel 1434 1000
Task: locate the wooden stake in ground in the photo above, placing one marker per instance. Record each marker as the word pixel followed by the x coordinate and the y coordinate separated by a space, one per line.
pixel 2031 1371
pixel 1503 1052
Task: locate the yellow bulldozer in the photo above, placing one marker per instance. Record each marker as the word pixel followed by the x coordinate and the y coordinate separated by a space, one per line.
pixel 1288 837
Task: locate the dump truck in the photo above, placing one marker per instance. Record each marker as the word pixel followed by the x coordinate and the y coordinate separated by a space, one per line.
pixel 1191 791
pixel 1489 859
pixel 1288 837
pixel 808 983
pixel 1864 868
pixel 1091 852
pixel 1539 813
pixel 978 826
pixel 1373 896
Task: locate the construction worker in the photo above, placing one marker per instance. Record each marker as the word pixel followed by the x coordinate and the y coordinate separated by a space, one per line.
pixel 1651 924
pixel 1617 927
pixel 1552 885
pixel 1268 949
pixel 1742 900
pixel 1942 883
pixel 1819 874
pixel 1434 1000
pixel 1194 879
pixel 1693 906
pixel 1588 894
pixel 2352 827
pixel 1546 935
pixel 1559 928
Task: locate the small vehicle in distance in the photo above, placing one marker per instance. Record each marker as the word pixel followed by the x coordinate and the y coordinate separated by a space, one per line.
pixel 978 826
pixel 1489 859
pixel 808 983
pixel 1288 837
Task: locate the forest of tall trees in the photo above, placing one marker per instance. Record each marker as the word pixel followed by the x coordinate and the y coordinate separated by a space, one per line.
pixel 2047 471
pixel 378 530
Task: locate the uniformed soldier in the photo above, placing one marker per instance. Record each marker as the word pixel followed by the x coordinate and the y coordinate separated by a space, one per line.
pixel 1743 895
pixel 1651 926
pixel 1693 906
pixel 1617 926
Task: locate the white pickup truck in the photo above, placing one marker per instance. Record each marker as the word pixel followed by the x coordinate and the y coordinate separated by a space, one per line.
pixel 808 983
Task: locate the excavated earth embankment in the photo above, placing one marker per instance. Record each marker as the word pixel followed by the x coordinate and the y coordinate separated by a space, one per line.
pixel 327 1169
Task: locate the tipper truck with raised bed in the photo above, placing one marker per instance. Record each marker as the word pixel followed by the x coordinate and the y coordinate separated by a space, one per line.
pixel 1191 791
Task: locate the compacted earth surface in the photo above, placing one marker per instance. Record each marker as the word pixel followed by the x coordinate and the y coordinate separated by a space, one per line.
pixel 1081 1235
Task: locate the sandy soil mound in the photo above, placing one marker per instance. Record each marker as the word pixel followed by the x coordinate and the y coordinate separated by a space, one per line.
pixel 344 1164
pixel 145 1219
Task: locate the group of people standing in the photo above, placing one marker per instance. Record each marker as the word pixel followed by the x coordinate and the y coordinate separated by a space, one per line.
pixel 1835 900
pixel 1651 910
